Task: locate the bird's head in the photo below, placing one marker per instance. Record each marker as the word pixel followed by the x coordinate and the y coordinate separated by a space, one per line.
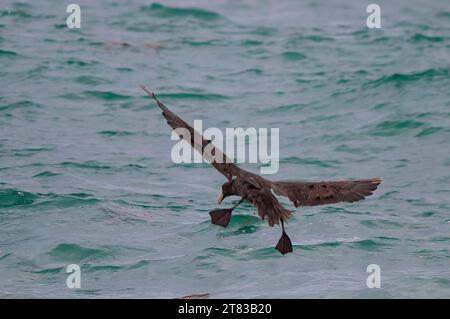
pixel 226 191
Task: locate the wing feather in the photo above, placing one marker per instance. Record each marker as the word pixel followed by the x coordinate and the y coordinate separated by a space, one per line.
pixel 303 193
pixel 224 165
pixel 270 208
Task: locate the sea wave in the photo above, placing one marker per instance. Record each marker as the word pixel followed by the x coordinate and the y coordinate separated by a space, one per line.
pixel 12 197
pixel 309 161
pixel 404 78
pixel 193 96
pixel 419 37
pixel 163 11
pixel 396 127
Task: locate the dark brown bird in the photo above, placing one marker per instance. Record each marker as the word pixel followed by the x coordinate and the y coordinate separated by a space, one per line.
pixel 260 191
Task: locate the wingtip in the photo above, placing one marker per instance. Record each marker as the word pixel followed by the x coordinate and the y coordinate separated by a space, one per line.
pixel 148 91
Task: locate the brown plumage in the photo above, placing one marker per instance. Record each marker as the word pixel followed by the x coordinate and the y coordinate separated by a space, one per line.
pixel 260 191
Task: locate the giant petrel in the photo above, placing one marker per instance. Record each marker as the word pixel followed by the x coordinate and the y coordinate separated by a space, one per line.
pixel 260 191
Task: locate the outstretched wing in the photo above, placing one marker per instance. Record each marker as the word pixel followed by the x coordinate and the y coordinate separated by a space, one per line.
pixel 303 193
pixel 219 160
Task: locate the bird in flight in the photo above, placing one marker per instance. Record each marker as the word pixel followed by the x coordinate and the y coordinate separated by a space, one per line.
pixel 260 192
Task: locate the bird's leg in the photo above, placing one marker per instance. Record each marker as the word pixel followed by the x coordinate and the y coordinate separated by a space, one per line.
pixel 284 245
pixel 222 217
pixel 238 203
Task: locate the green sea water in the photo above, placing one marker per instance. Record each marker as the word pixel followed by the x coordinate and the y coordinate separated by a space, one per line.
pixel 86 175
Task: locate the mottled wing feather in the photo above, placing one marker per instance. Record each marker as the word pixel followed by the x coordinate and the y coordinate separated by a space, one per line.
pixel 269 207
pixel 303 193
pixel 224 166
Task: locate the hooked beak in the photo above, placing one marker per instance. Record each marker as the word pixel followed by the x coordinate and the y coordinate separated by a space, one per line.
pixel 220 198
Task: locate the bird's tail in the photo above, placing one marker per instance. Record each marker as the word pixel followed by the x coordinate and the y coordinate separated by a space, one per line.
pixel 279 214
pixel 284 214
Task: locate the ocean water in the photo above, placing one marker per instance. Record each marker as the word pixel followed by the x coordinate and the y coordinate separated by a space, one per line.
pixel 85 170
